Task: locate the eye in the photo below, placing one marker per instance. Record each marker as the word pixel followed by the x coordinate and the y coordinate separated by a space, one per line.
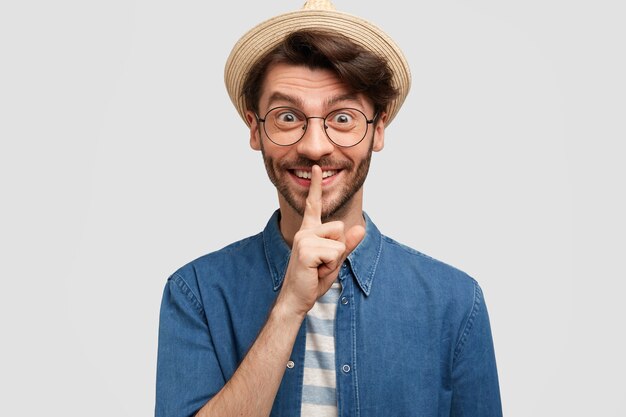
pixel 342 118
pixel 287 116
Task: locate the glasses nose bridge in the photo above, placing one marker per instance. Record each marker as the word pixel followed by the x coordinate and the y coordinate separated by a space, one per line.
pixel 307 118
pixel 324 127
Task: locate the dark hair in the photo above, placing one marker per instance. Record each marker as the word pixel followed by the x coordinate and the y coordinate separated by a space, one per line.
pixel 360 69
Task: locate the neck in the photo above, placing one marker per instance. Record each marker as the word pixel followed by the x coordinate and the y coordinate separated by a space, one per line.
pixel 351 214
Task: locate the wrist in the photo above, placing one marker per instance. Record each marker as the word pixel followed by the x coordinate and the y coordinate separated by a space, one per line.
pixel 286 312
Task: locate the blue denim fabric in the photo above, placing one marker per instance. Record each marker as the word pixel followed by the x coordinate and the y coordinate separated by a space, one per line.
pixel 412 334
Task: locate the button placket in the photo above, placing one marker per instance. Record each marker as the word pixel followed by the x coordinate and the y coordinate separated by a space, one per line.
pixel 345 339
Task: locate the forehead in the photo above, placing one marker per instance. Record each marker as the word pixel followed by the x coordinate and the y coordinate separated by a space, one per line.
pixel 308 89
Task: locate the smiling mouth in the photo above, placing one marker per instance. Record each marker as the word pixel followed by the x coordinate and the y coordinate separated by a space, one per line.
pixel 307 174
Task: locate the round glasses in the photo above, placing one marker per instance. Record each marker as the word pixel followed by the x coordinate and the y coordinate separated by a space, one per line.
pixel 285 126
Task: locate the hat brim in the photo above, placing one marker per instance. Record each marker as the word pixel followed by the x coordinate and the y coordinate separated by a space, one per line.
pixel 264 37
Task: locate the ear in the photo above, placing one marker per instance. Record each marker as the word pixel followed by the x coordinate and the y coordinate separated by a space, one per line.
pixel 379 133
pixel 255 136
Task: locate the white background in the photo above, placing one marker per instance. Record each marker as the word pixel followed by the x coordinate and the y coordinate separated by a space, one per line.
pixel 122 158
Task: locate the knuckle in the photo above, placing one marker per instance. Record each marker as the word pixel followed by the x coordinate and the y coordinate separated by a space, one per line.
pixel 298 237
pixel 302 257
pixel 301 238
pixel 338 226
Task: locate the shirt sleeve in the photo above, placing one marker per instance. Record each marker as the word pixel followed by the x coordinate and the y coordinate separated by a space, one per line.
pixel 476 391
pixel 188 372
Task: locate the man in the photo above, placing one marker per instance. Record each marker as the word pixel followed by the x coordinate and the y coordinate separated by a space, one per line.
pixel 320 314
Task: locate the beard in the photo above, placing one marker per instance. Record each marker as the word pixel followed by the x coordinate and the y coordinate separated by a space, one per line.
pixel 278 173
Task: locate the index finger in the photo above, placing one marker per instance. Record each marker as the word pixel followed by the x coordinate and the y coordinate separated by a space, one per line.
pixel 313 209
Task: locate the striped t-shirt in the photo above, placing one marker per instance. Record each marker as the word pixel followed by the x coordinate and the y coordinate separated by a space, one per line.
pixel 319 398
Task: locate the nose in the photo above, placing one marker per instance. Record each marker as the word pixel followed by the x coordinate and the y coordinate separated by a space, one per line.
pixel 315 144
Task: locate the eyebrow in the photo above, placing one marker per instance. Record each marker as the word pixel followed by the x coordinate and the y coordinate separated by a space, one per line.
pixel 299 103
pixel 277 96
pixel 343 97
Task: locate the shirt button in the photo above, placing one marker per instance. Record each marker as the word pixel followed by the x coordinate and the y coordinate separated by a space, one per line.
pixel 344 300
pixel 346 368
pixel 345 265
pixel 290 364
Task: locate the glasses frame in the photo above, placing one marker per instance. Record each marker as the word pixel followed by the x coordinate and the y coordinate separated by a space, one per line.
pixel 306 124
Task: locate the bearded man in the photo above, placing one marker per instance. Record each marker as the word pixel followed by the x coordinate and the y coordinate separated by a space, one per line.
pixel 320 314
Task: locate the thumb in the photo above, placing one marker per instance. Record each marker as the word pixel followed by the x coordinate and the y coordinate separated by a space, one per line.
pixel 354 236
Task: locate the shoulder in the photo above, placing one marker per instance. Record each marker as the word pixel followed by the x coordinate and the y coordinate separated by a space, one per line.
pixel 448 295
pixel 220 263
pixel 438 278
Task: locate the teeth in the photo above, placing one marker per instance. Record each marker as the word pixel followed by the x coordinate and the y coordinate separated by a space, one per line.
pixel 303 174
pixel 307 174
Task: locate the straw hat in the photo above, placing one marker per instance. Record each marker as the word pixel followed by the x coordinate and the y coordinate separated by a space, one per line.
pixel 315 14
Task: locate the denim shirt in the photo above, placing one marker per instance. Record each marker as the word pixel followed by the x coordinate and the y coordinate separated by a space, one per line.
pixel 412 334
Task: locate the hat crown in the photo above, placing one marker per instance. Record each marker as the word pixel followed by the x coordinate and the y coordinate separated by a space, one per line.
pixel 318 5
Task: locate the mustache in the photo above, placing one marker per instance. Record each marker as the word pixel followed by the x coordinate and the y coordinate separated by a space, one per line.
pixel 302 162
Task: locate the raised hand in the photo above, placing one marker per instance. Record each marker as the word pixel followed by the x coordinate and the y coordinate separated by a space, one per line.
pixel 318 251
pixel 317 254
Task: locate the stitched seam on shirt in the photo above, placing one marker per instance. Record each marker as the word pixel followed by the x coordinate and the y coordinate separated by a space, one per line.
pixel 469 324
pixel 276 281
pixel 374 266
pixel 283 272
pixel 412 251
pixel 185 289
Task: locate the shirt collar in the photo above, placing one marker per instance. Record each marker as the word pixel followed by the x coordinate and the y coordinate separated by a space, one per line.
pixel 363 260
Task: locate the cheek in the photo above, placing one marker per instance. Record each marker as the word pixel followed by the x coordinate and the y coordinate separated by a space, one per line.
pixel 276 153
pixel 359 152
